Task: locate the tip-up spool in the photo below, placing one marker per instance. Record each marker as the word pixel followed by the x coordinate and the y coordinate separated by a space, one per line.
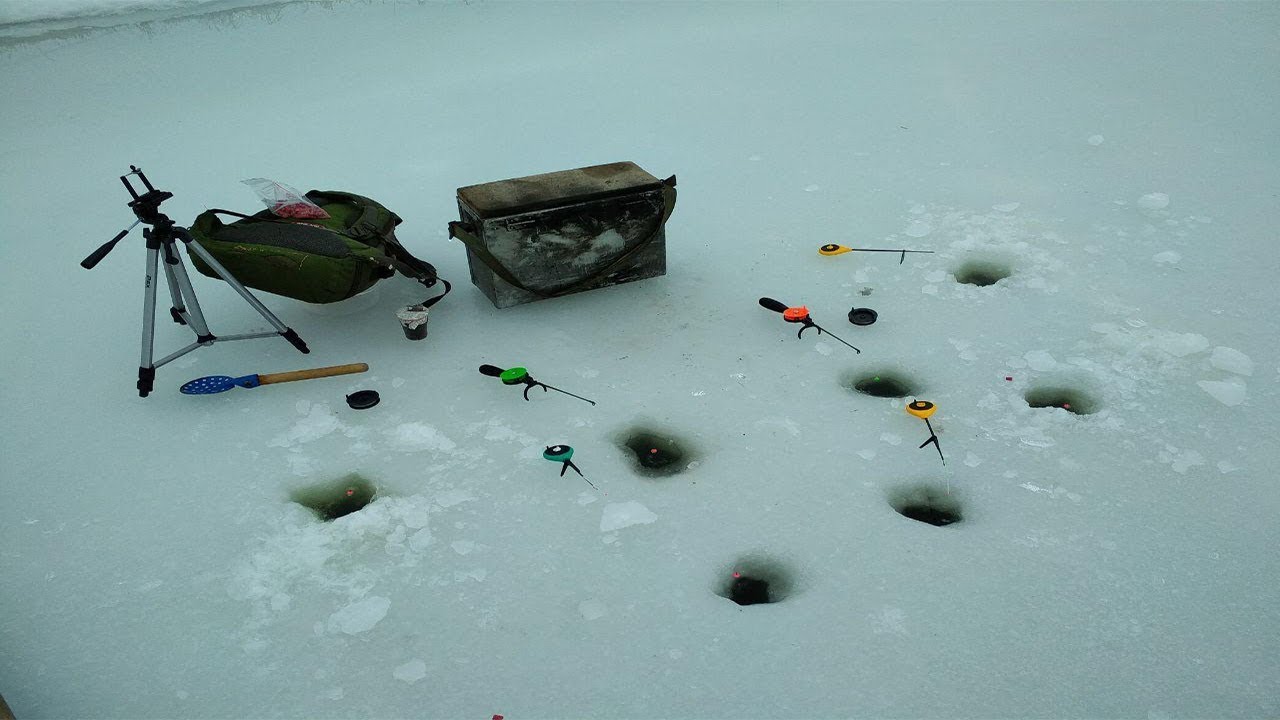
pixel 513 376
pixel 795 314
pixel 921 408
pixel 558 453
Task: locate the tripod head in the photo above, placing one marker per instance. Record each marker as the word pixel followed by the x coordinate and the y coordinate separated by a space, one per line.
pixel 145 206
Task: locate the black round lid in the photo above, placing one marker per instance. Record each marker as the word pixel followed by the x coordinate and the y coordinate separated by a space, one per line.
pixel 363 399
pixel 862 316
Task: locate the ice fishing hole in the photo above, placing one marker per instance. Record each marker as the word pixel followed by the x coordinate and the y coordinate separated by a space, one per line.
pixel 756 581
pixel 927 504
pixel 884 385
pixel 1065 398
pixel 656 453
pixel 336 498
pixel 982 272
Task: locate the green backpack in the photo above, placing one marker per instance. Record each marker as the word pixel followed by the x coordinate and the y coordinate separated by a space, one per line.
pixel 313 260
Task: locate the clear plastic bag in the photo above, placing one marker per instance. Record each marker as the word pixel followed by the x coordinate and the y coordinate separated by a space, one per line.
pixel 285 201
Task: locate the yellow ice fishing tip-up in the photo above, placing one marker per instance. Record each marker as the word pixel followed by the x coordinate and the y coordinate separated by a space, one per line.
pixel 832 249
pixel 923 409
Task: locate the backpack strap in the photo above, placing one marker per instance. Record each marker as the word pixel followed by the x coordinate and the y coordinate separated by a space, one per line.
pixel 463 232
pixel 375 227
pixel 420 270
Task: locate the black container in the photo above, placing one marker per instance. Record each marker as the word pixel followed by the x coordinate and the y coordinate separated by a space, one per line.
pixel 564 232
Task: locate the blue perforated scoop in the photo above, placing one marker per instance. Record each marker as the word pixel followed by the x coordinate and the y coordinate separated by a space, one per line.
pixel 223 383
pixel 218 383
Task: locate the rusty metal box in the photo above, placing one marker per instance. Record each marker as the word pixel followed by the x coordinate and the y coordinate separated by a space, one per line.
pixel 545 236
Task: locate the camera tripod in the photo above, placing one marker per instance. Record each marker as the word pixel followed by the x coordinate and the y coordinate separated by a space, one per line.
pixel 162 236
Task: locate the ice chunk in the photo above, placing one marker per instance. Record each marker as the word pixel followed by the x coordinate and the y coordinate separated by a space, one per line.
pixel 420 540
pixel 1182 344
pixel 1229 393
pixel 411 672
pixel 592 609
pixel 1096 140
pixel 1006 207
pixel 1154 201
pixel 917 230
pixel 320 421
pixel 359 616
pixel 477 574
pixel 417 436
pixel 457 496
pixel 1231 360
pixel 620 515
pixel 1168 257
pixel 1181 460
pixel 1040 360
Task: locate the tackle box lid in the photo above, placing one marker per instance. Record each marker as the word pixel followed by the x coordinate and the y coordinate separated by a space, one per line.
pixel 537 192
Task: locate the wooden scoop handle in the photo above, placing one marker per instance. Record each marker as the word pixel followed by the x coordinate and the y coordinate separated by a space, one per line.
pixel 313 373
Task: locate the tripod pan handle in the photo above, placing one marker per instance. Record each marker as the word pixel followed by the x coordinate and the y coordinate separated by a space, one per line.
pixel 97 255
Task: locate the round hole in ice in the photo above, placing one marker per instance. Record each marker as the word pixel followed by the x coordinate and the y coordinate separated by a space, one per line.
pixel 656 453
pixel 333 499
pixel 755 580
pixel 927 504
pixel 1073 401
pixel 982 272
pixel 887 384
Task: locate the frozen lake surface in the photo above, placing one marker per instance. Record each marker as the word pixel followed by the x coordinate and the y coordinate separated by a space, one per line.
pixel 1111 168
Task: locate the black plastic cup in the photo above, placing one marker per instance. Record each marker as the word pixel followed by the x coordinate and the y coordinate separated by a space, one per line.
pixel 413 320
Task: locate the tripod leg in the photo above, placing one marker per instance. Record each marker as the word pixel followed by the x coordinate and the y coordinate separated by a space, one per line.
pixel 179 280
pixel 235 284
pixel 146 370
pixel 176 309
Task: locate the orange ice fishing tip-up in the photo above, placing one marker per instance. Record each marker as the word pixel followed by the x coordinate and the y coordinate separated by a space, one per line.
pixel 798 314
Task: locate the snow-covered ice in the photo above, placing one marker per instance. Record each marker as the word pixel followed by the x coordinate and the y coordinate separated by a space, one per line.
pixel 1114 563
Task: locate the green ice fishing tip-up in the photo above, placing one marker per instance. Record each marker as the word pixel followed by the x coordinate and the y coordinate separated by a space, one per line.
pixel 520 376
pixel 798 315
